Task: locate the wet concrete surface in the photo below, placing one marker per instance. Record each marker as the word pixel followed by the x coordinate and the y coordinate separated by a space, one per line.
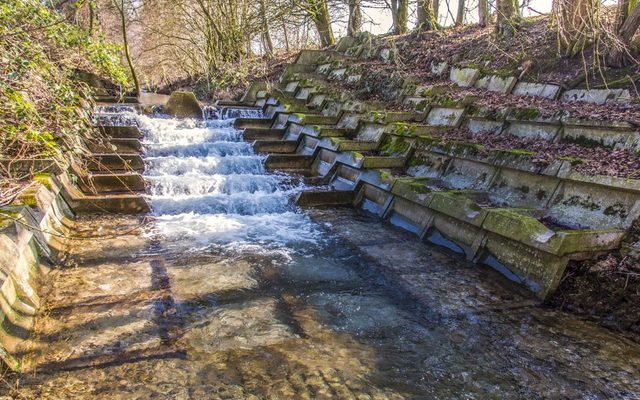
pixel 371 313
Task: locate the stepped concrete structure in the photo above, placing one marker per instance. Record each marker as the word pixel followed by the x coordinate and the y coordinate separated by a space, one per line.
pixel 498 209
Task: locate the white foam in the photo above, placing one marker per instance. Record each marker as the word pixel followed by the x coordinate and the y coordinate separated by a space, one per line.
pixel 174 165
pixel 208 188
pixel 270 231
pixel 208 149
pixel 235 203
pixel 199 184
pixel 186 131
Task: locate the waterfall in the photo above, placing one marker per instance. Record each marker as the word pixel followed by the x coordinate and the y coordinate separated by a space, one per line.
pixel 226 113
pixel 207 186
pixel 115 115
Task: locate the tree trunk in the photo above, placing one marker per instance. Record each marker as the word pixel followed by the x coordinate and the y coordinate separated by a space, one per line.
pixel 508 18
pixel 322 21
pixel 265 28
pixel 625 7
pixel 619 55
pixel 355 17
pixel 91 17
pixel 120 6
pixel 460 13
pixel 483 12
pixel 285 35
pixel 576 20
pixel 426 16
pixel 400 16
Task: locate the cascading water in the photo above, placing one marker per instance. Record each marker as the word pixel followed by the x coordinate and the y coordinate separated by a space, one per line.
pixel 208 185
pixel 115 115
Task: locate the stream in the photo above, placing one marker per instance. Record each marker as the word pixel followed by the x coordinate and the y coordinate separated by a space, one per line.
pixel 229 291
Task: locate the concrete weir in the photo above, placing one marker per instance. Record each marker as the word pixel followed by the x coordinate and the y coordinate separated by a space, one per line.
pixel 360 258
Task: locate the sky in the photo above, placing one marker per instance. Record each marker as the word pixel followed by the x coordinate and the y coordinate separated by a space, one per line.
pixel 379 21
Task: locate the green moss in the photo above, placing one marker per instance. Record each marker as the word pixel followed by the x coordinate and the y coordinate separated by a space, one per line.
pixel 422 106
pixel 7 218
pixel 418 187
pixel 446 101
pixel 394 146
pixel 462 148
pixel 28 199
pixel 44 179
pixel 426 141
pixel 515 224
pixel 573 160
pixel 401 128
pixel 525 113
pixel 385 175
pixel 515 152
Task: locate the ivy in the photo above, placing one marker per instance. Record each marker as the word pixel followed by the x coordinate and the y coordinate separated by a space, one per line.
pixel 44 112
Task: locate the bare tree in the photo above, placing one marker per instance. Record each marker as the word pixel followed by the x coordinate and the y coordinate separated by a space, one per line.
pixel 355 17
pixel 483 12
pixel 460 13
pixel 400 16
pixel 628 23
pixel 427 18
pixel 507 18
pixel 268 44
pixel 121 7
pixel 577 23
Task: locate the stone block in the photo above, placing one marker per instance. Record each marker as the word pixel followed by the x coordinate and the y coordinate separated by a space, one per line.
pixel 316 198
pixel 444 116
pixel 538 270
pixel 597 96
pixel 371 132
pixel 373 199
pixel 456 235
pixel 459 204
pixel 480 125
pixel 438 69
pixel 464 77
pixel 385 54
pixel 383 162
pixel 409 215
pixel 533 130
pixel 544 90
pixel 291 86
pixel 323 68
pixel 496 83
pixel 600 133
pixel 584 205
pixel 515 188
pixel 337 73
pixel 468 174
pixel 416 190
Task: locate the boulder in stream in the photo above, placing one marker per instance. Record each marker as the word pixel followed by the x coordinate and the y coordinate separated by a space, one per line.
pixel 183 105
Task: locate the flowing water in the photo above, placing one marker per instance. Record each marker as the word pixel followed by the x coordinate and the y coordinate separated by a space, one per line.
pixel 229 291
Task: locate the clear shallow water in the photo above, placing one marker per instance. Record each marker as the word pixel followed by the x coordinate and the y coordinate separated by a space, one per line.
pixel 231 292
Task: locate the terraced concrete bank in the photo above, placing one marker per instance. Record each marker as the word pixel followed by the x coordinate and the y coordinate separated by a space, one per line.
pixel 301 244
